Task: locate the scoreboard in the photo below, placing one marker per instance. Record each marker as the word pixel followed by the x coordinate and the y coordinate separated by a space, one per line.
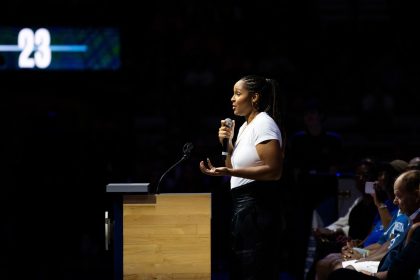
pixel 59 48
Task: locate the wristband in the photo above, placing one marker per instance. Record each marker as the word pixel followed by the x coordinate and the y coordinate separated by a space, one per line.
pixel 361 251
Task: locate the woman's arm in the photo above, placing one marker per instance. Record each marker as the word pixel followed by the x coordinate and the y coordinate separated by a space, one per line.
pixel 271 168
pixel 386 216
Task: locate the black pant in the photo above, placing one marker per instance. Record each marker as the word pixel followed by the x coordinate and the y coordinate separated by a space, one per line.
pixel 256 229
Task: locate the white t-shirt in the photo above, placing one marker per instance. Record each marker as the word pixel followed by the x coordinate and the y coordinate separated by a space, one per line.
pixel 260 129
pixel 343 222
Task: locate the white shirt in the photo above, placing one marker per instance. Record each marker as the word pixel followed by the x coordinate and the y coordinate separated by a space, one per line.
pixel 260 129
pixel 343 222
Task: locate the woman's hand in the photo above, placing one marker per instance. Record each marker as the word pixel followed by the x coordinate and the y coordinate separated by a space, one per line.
pixel 349 253
pixel 209 169
pixel 347 248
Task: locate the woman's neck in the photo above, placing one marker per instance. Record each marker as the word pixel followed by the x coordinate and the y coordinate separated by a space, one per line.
pixel 251 116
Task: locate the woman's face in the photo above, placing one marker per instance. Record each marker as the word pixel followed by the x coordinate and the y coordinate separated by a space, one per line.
pixel 361 177
pixel 381 180
pixel 241 99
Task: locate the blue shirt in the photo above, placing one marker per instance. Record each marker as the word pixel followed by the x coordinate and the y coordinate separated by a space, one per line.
pixel 379 229
pixel 397 230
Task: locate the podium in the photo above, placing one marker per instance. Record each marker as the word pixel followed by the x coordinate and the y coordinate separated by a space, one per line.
pixel 164 236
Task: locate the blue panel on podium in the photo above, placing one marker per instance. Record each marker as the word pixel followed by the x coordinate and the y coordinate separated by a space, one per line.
pixel 118 191
pixel 127 188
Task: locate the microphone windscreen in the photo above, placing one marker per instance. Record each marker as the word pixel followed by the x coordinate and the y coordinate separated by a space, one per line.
pixel 228 122
pixel 225 146
pixel 187 148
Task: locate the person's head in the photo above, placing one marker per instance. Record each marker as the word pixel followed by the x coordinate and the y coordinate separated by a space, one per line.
pixel 414 164
pixel 407 191
pixel 313 115
pixel 256 94
pixel 388 173
pixel 366 170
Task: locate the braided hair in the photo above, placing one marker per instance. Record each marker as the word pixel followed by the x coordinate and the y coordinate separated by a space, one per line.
pixel 269 101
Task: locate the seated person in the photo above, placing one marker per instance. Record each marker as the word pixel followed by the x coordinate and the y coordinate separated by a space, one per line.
pixel 414 164
pixel 358 257
pixel 361 212
pixel 372 253
pixel 384 196
pixel 378 241
pixel 402 261
pixel 355 225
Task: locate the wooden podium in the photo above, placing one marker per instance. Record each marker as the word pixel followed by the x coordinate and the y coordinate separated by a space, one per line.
pixel 164 236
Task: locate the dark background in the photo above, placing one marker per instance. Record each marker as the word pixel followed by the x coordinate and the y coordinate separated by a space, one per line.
pixel 65 135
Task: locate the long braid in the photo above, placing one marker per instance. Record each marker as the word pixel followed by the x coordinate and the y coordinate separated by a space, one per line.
pixel 276 109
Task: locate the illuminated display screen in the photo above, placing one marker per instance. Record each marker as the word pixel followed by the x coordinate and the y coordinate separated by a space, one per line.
pixel 59 48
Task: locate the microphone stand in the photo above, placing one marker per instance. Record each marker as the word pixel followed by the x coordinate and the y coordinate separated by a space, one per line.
pixel 187 151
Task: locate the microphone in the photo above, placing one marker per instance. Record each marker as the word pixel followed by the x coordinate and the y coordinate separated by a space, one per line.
pixel 225 142
pixel 188 147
